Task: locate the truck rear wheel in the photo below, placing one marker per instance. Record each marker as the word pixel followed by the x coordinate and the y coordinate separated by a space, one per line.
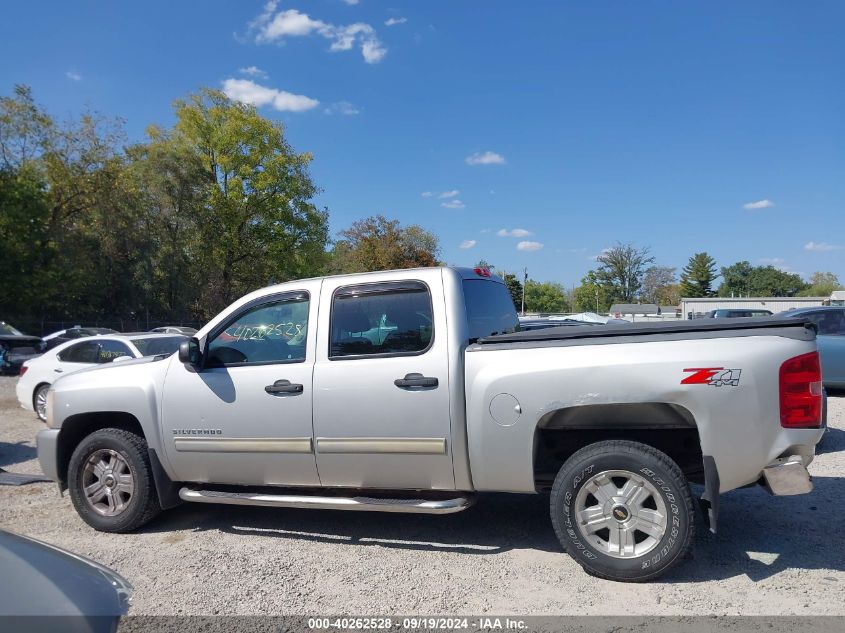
pixel 623 510
pixel 111 482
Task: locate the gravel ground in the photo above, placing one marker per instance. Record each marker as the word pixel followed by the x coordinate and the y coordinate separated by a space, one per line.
pixel 772 556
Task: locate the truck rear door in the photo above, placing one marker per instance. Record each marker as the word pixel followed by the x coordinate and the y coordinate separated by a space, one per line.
pixel 381 384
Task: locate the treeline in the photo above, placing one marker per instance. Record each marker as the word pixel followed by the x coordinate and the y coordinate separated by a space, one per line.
pixel 171 229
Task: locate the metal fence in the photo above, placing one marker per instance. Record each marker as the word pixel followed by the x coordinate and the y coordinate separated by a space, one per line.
pixel 41 327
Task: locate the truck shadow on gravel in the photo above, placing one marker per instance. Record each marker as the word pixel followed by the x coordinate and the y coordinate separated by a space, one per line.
pixel 759 535
pixel 15 453
pixel 495 524
pixel 833 441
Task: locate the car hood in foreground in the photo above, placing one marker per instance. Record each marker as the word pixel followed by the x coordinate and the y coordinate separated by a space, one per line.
pixel 44 580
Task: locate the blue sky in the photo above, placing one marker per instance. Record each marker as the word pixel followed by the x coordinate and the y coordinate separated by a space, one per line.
pixel 567 125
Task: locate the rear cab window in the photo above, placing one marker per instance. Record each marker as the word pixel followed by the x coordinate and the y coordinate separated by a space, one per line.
pixel 490 309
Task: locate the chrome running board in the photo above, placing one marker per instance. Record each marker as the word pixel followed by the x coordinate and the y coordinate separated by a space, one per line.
pixel 367 504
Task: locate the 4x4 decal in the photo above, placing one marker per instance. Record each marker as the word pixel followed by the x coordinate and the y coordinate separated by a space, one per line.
pixel 715 376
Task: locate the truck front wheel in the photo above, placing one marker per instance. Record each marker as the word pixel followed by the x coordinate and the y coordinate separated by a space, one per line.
pixel 623 510
pixel 111 482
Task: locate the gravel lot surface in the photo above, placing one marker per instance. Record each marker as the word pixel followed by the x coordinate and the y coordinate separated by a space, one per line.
pixel 771 556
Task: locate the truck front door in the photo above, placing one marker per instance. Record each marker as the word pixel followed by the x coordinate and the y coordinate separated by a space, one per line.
pixel 244 417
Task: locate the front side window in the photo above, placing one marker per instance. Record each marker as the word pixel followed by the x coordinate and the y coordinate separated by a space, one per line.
pixel 87 352
pixel 389 318
pixel 272 332
pixel 109 350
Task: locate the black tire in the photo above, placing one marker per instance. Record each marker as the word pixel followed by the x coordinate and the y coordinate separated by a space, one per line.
pixel 653 471
pixel 142 504
pixel 45 387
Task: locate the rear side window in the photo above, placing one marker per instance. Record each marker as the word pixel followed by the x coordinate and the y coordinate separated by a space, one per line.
pixel 490 309
pixel 379 319
pixel 109 350
pixel 87 352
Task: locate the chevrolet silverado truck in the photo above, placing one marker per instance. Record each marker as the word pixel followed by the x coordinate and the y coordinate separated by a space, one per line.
pixel 413 390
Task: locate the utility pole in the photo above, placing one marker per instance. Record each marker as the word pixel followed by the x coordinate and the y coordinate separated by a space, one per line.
pixel 524 281
pixel 597 300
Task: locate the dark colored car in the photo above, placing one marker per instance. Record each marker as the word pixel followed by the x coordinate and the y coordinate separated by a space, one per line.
pixel 50 589
pixel 63 336
pixel 830 325
pixel 16 348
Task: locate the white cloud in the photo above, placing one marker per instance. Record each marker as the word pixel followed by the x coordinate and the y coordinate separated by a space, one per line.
pixel 485 158
pixel 342 107
pixel 271 27
pixel 453 204
pixel 73 76
pixel 820 247
pixel 467 244
pixel 449 194
pixel 247 91
pixel 529 246
pixel 759 204
pixel 395 21
pixel 777 262
pixel 351 3
pixel 426 194
pixel 513 233
pixel 253 71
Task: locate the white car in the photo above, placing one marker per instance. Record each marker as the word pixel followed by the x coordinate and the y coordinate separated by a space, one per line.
pixel 38 374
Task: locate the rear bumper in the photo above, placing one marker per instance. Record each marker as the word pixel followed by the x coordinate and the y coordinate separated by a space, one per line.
pixel 47 442
pixel 787 476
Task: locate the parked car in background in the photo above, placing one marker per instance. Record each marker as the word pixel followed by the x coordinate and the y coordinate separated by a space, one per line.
pixel 733 313
pixel 16 348
pixel 38 374
pixel 63 336
pixel 47 588
pixel 175 329
pixel 830 323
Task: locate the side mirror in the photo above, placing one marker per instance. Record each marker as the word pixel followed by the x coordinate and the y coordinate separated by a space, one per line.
pixel 120 359
pixel 189 352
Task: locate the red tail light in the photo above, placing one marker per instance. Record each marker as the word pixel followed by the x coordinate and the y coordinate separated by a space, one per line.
pixel 482 272
pixel 23 370
pixel 801 392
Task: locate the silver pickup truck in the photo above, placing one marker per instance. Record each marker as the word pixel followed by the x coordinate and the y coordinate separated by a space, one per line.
pixel 413 390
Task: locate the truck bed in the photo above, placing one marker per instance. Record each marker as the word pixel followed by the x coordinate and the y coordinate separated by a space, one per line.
pixel 796 327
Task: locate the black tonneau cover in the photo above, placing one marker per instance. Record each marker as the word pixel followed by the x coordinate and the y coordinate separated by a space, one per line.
pixel 646 329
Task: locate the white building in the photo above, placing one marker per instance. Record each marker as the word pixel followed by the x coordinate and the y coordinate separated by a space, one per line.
pixel 701 306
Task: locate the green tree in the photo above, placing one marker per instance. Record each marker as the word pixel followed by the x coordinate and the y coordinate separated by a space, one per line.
pixel 593 295
pixel 545 297
pixel 257 224
pixel 621 269
pixel 822 284
pixel 376 243
pixel 698 276
pixel 514 286
pixel 743 279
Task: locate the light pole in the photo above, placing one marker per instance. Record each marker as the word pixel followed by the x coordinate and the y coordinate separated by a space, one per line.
pixel 524 280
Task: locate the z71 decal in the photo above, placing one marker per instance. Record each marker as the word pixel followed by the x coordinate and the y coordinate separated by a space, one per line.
pixel 716 376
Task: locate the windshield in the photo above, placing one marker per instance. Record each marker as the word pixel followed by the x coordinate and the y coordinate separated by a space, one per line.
pixel 153 346
pixel 7 329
